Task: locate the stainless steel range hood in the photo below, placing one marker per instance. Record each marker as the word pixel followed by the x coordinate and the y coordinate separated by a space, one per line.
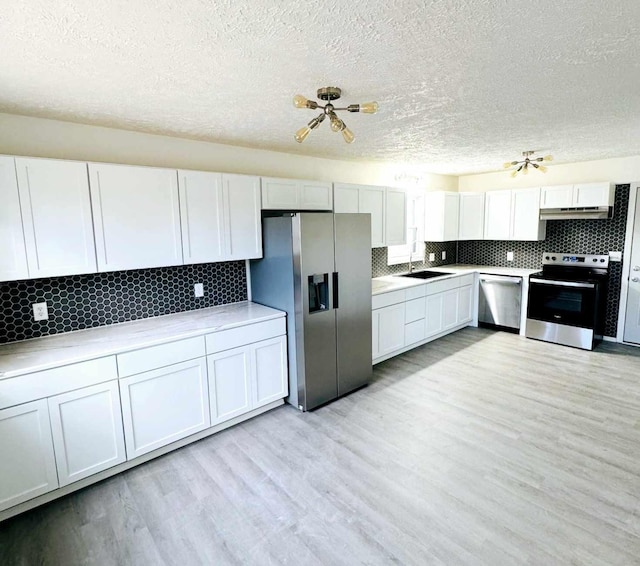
pixel 577 213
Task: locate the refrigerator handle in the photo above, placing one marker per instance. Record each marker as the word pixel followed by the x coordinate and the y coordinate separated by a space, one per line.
pixel 335 289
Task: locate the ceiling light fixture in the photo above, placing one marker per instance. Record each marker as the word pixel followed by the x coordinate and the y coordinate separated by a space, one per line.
pixel 527 163
pixel 329 94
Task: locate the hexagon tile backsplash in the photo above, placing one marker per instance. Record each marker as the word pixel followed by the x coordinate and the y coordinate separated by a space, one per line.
pixel 86 301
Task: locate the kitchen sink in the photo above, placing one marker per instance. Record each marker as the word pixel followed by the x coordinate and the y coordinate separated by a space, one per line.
pixel 423 274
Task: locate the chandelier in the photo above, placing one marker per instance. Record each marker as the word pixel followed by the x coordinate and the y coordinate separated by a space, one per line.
pixel 528 163
pixel 329 94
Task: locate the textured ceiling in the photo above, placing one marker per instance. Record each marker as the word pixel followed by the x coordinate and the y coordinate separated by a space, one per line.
pixel 462 85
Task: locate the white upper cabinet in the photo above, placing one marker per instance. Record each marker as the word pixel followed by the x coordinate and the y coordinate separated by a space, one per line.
pixel 556 196
pixel 387 207
pixel 137 216
pixel 13 256
pixel 395 217
pixel 242 223
pixel 220 216
pixel 525 215
pixel 292 194
pixel 201 214
pixel 441 214
pixel 584 194
pixel 471 223
pixel 56 216
pixel 593 194
pixel 497 216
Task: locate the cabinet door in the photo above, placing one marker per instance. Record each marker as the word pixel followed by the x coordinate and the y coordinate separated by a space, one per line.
pixel 315 196
pixel 243 226
pixel 450 314
pixel 229 383
pixel 497 217
pixel 137 215
pixel 390 329
pixel 13 256
pixel 164 405
pixel 371 200
pixel 451 217
pixel 375 330
pixel 27 463
pixel 87 431
pixel 471 224
pixel 558 196
pixel 56 213
pixel 593 194
pixel 269 371
pixel 345 198
pixel 525 215
pixel 465 304
pixel 280 194
pixel 433 315
pixel 441 216
pixel 395 217
pixel 201 215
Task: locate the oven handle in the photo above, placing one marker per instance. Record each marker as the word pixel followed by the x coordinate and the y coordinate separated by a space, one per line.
pixel 564 283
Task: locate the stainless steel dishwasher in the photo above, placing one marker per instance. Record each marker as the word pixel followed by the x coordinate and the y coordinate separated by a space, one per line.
pixel 500 301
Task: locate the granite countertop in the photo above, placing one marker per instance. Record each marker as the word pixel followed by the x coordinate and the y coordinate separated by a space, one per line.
pixel 388 283
pixel 37 354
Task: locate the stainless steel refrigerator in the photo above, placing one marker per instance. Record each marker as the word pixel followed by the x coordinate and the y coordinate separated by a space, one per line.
pixel 317 268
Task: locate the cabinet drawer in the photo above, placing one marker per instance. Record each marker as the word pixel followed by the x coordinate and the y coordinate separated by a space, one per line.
pixel 163 355
pixel 414 332
pixel 41 384
pixel 465 280
pixel 414 310
pixel 235 337
pixel 441 286
pixel 415 292
pixel 387 299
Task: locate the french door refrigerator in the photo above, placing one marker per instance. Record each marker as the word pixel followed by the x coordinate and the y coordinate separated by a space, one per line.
pixel 317 267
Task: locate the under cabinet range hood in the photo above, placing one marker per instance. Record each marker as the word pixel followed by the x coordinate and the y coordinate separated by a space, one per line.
pixel 577 213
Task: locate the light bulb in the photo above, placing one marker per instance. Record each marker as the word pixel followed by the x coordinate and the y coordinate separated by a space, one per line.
pixel 300 101
pixel 548 158
pixel 542 168
pixel 337 125
pixel 369 107
pixel 302 134
pixel 525 170
pixel 347 134
pixel 514 172
pixel 508 164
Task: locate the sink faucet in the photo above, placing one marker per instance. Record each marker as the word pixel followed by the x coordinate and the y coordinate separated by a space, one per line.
pixel 410 266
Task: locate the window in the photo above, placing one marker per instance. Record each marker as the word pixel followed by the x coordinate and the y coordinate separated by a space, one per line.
pixel 413 250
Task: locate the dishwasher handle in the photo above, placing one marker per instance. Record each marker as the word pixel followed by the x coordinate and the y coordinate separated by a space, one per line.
pixel 504 279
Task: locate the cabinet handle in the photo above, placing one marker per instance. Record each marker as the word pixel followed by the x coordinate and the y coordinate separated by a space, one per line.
pixel 335 290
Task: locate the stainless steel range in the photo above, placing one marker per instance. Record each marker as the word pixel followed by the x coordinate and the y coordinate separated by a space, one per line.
pixel 568 300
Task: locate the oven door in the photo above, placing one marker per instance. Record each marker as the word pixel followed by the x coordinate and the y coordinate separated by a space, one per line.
pixel 570 303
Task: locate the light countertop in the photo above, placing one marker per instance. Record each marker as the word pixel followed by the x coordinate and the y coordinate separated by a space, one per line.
pixel 389 283
pixel 37 354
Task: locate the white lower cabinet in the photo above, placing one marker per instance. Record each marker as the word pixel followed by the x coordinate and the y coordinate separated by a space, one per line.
pixel 229 376
pixel 465 304
pixel 433 315
pixel 450 309
pixel 248 377
pixel 388 330
pixel 87 431
pixel 27 461
pixel 164 405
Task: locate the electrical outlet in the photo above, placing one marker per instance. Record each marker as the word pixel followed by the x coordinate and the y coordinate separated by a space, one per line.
pixel 444 254
pixel 40 311
pixel 432 257
pixel 198 290
pixel 509 256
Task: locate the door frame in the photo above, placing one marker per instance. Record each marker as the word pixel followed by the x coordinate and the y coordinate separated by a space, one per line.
pixel 634 189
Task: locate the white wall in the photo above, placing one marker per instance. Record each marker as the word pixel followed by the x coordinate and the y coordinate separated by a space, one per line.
pixel 619 170
pixel 38 137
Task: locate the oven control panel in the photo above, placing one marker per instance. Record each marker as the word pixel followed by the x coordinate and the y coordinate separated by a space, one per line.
pixel 578 260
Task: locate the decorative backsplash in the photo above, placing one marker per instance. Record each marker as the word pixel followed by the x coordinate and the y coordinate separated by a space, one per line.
pixel 379 265
pixel 86 301
pixel 577 236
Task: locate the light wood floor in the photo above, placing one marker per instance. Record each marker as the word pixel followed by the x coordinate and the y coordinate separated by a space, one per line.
pixel 479 448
